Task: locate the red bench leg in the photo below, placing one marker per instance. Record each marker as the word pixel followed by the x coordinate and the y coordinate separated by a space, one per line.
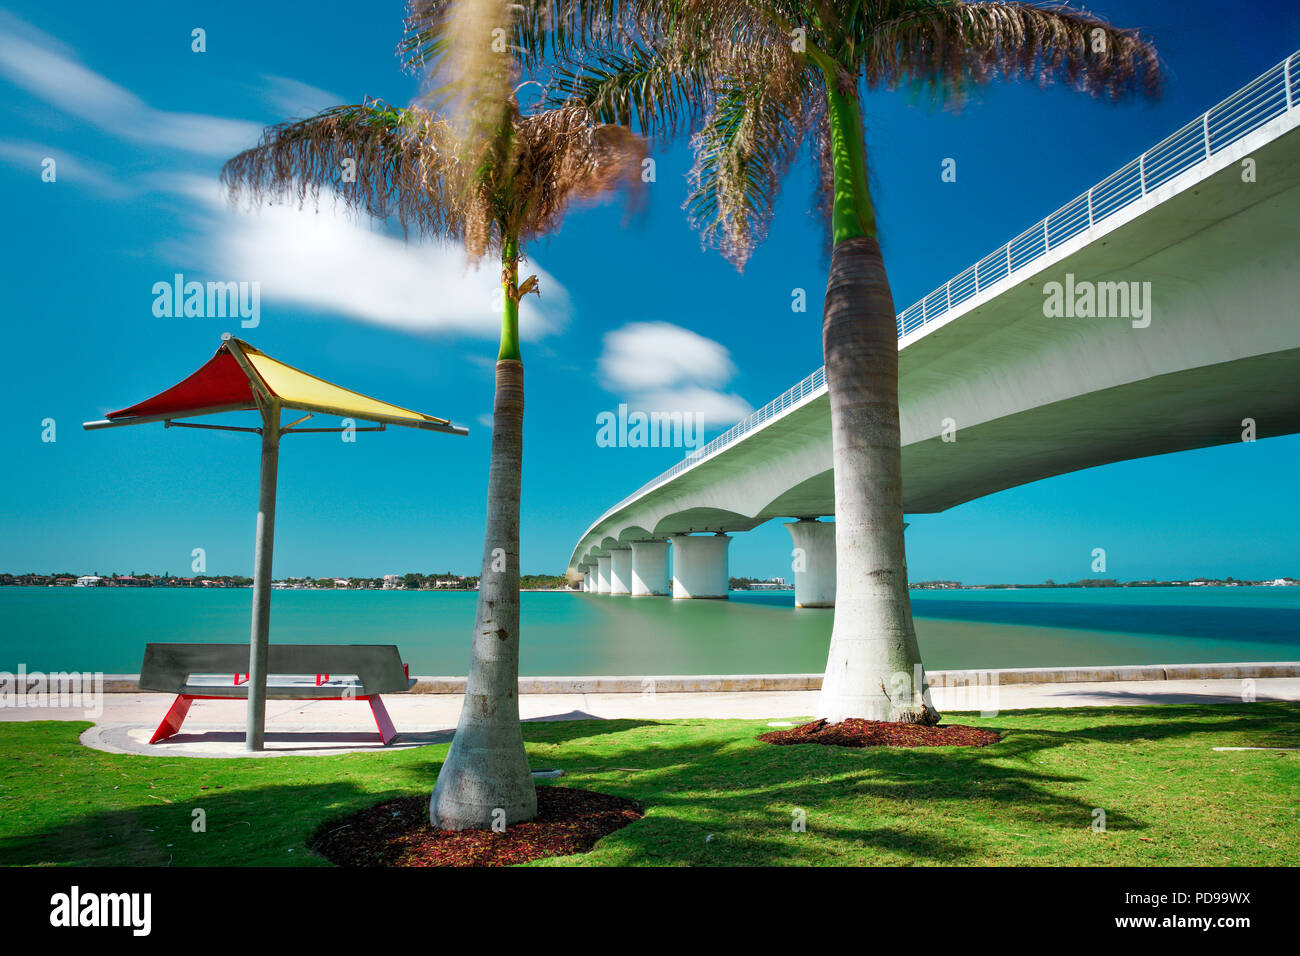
pixel 385 724
pixel 171 724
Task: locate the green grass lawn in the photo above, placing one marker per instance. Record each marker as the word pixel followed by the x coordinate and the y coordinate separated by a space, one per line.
pixel 715 795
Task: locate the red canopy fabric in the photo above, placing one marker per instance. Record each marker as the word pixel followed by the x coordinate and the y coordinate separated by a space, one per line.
pixel 220 383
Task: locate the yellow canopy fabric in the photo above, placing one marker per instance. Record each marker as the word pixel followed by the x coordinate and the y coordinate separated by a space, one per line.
pixel 241 377
pixel 301 390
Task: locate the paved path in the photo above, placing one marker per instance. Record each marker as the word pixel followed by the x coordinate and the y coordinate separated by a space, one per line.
pixel 214 728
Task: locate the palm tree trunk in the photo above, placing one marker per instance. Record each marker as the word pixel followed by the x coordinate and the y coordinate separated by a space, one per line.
pixel 873 668
pixel 485 780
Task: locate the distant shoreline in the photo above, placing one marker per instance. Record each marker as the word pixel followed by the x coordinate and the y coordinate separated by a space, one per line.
pixel 788 590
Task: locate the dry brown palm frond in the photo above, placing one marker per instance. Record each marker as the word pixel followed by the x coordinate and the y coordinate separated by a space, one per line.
pixel 952 45
pixel 539 31
pixel 481 69
pixel 377 158
pixel 560 156
pixel 407 164
pixel 538 28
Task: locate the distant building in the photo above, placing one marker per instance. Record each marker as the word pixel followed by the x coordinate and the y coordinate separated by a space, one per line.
pixel 340 582
pixel 392 582
pixel 88 581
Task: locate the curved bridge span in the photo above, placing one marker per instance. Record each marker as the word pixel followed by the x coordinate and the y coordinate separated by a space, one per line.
pixel 1155 313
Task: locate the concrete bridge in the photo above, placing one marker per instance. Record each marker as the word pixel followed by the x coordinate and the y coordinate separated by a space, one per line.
pixel 1157 312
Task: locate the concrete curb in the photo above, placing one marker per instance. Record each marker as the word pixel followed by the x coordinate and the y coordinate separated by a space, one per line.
pixel 751 683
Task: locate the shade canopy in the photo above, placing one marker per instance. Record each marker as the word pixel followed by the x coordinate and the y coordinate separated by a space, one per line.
pixel 240 377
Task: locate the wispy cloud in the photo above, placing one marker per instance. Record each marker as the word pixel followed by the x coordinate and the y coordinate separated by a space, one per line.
pixel 293 99
pixel 328 260
pixel 46 69
pixel 658 366
pixel 336 262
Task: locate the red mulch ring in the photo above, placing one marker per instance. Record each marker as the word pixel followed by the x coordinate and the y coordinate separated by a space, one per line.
pixel 879 733
pixel 398 833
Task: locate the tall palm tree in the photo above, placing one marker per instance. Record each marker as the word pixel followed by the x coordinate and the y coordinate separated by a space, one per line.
pixel 415 165
pixel 753 81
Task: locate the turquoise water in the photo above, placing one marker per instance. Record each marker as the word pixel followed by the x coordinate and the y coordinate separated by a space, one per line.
pixel 105 629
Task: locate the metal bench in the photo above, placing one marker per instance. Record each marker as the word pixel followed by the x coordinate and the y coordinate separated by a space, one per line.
pixel 294 672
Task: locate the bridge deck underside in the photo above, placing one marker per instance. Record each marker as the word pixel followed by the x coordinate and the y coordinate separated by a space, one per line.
pixel 1032 395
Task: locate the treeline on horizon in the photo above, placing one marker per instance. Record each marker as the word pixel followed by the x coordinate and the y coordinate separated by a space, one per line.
pixel 411 581
pixel 447 581
pixel 742 584
pixel 1097 583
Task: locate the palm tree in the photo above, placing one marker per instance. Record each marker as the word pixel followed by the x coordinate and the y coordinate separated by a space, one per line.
pixel 754 80
pixel 417 166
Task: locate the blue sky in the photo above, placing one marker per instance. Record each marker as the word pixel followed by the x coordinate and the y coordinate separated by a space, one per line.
pixel 139 125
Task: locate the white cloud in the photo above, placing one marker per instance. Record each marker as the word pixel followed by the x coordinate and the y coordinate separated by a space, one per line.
pixel 334 261
pixel 328 260
pixel 293 99
pixel 644 355
pixel 659 366
pixel 718 408
pixel 47 69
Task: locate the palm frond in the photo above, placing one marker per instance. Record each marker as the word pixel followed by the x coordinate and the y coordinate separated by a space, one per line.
pixel 751 136
pixel 657 90
pixel 378 158
pixel 949 45
pixel 561 156
pixel 537 29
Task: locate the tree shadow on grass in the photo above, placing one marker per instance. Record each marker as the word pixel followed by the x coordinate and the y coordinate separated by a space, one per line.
pixel 1226 722
pixel 729 800
pixel 921 803
pixel 261 826
pixel 713 793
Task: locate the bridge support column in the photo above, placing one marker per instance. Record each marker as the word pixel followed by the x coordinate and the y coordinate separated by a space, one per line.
pixel 602 574
pixel 814 562
pixel 650 568
pixel 700 566
pixel 588 579
pixel 620 570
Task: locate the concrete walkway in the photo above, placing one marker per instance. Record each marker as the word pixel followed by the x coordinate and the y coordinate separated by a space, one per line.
pixel 215 728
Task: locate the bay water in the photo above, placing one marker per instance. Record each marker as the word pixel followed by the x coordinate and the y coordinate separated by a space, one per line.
pixel 565 633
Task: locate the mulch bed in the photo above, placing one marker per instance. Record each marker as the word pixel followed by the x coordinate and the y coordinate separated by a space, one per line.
pixel 397 832
pixel 879 733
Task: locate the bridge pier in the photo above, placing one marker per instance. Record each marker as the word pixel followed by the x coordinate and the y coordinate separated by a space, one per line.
pixel 814 567
pixel 620 571
pixel 650 568
pixel 602 574
pixel 588 581
pixel 700 566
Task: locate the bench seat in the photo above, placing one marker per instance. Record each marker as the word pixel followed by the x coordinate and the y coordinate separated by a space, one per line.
pixel 294 672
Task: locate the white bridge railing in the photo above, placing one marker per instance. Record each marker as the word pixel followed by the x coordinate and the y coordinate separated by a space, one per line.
pixel 1259 102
